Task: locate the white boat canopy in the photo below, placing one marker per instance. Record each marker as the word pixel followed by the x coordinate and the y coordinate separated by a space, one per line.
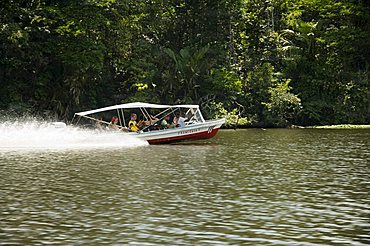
pixel 136 105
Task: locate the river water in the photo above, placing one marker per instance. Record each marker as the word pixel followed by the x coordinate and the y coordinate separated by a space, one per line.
pixel 244 187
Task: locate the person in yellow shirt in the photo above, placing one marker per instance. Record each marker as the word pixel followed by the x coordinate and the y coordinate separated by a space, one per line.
pixel 137 126
pixel 132 124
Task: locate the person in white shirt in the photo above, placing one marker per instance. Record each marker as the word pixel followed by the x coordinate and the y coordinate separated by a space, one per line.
pixel 181 120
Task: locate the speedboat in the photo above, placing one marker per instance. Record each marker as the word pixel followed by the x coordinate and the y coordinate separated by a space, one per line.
pixel 195 126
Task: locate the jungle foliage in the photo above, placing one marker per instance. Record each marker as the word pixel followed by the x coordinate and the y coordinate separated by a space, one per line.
pixel 260 63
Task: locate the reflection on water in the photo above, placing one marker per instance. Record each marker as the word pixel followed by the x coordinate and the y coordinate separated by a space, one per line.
pixel 244 187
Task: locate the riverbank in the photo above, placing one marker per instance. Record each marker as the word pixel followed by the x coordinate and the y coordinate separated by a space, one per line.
pixel 342 126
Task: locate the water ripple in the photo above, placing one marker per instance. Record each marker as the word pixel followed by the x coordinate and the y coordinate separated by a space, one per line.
pixel 253 187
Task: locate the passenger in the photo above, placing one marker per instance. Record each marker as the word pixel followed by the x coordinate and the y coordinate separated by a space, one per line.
pixel 98 124
pixel 175 121
pixel 181 120
pixel 151 124
pixel 133 125
pixel 165 122
pixel 151 121
pixel 113 123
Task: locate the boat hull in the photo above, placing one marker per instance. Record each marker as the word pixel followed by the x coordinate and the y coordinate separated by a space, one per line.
pixel 197 131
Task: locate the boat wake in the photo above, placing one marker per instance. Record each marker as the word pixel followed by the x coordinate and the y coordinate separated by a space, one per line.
pixel 16 135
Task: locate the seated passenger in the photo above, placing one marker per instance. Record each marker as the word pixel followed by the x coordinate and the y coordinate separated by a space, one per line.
pixel 175 121
pixel 113 123
pixel 152 120
pixel 164 122
pixel 181 120
pixel 98 124
pixel 132 124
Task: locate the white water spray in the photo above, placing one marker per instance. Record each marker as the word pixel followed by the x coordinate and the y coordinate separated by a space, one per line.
pixel 16 135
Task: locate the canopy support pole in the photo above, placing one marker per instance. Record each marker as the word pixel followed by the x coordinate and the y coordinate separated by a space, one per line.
pixel 123 116
pixel 119 117
pixel 141 109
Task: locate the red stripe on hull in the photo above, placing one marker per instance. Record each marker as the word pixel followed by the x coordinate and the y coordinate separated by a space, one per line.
pixel 189 137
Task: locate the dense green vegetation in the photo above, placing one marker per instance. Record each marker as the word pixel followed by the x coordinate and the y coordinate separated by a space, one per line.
pixel 261 63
